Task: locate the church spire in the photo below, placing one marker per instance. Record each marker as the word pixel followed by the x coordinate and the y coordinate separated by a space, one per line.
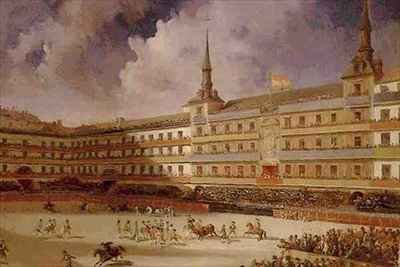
pixel 365 50
pixel 206 83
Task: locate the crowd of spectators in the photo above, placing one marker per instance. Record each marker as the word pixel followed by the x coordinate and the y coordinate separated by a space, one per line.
pixel 149 190
pixel 275 197
pixel 10 186
pixel 373 245
pixel 383 203
pixel 289 261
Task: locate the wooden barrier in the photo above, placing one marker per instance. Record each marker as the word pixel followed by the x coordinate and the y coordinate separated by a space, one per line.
pixel 381 220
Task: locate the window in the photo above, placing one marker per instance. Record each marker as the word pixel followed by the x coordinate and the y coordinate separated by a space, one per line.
pixel 302 121
pixel 252 126
pixel 240 171
pixel 227 148
pixel 132 139
pixel 385 114
pixel 123 153
pixel 24 154
pixel 151 170
pixel 43 144
pixel 227 128
pixel 84 143
pixel 240 147
pixel 398 87
pixel 199 110
pixel 95 169
pixel 318 119
pixel 288 122
pixel 385 139
pixel 333 118
pixel 151 137
pixel 96 142
pixel 43 169
pixel 199 171
pixel 180 170
pixel 334 141
pixel 4 140
pixel 214 148
pixel 123 140
pixel 302 170
pixel 160 170
pixel 142 169
pixel 357 89
pixel 214 170
pixel 288 169
pixel 318 142
pixel 25 142
pixel 384 88
pixel 357 141
pixel 287 144
pixel 227 170
pixel 133 168
pixel 170 150
pixel 357 116
pixel 4 167
pixel 301 144
pixel 169 136
pixel 142 138
pixel 52 169
pixel 199 131
pixel 213 129
pixel 253 171
pixel 160 136
pixel 180 134
pixel 318 170
pixel 357 170
pixel 334 171
pixel 386 171
pixel 199 149
pixel 240 127
pixel 252 146
pixel 180 150
pixel 109 141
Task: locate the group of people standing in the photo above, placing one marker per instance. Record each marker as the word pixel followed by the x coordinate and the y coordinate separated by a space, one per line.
pixel 51 228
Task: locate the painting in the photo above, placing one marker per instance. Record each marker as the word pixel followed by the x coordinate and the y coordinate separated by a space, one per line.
pixel 199 133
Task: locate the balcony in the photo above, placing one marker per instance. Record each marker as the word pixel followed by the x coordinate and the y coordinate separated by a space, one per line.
pixel 356 100
pixel 387 152
pixel 232 136
pixel 199 119
pixel 392 124
pixel 165 142
pixel 225 157
pixel 387 97
pixel 342 153
pixel 356 126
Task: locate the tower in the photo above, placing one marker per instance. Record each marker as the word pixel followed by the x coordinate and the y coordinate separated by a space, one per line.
pixel 206 98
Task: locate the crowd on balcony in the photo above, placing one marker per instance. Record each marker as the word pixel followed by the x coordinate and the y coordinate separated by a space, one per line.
pixel 289 261
pixel 274 197
pixel 378 202
pixel 373 245
pixel 10 186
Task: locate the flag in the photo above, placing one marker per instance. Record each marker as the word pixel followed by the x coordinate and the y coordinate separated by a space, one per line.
pixel 280 81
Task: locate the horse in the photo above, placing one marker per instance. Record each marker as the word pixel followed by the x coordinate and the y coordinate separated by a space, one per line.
pixel 3 253
pixel 253 230
pixel 50 228
pixel 203 231
pixel 108 252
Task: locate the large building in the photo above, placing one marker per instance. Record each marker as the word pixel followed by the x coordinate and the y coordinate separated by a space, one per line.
pixel 335 135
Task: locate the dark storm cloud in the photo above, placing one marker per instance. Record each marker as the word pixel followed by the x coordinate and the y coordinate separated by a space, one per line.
pixel 108 58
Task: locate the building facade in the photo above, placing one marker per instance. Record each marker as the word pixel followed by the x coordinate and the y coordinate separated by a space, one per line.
pixel 343 134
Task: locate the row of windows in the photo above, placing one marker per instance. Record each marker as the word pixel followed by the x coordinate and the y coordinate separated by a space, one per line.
pixel 227 171
pixel 385 88
pixel 357 142
pixel 385 114
pixel 301 122
pixel 227 148
pixel 227 128
pixel 333 170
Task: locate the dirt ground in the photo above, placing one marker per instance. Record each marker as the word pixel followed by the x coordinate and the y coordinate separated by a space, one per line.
pixel 28 250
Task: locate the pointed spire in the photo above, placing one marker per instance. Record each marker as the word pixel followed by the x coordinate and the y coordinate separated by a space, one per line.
pixel 206 82
pixel 365 48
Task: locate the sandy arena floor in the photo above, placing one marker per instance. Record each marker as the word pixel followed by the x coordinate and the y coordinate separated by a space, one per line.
pixel 27 250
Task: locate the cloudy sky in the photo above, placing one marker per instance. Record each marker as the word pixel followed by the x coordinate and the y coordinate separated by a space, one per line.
pixel 93 60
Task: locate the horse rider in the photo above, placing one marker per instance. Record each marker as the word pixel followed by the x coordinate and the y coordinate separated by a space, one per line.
pixel 258 224
pixel 67 258
pixel 4 249
pixel 232 229
pixel 137 212
pixel 149 210
pixel 136 231
pixel 67 229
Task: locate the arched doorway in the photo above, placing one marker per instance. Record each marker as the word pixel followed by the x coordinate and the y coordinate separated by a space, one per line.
pixel 24 170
